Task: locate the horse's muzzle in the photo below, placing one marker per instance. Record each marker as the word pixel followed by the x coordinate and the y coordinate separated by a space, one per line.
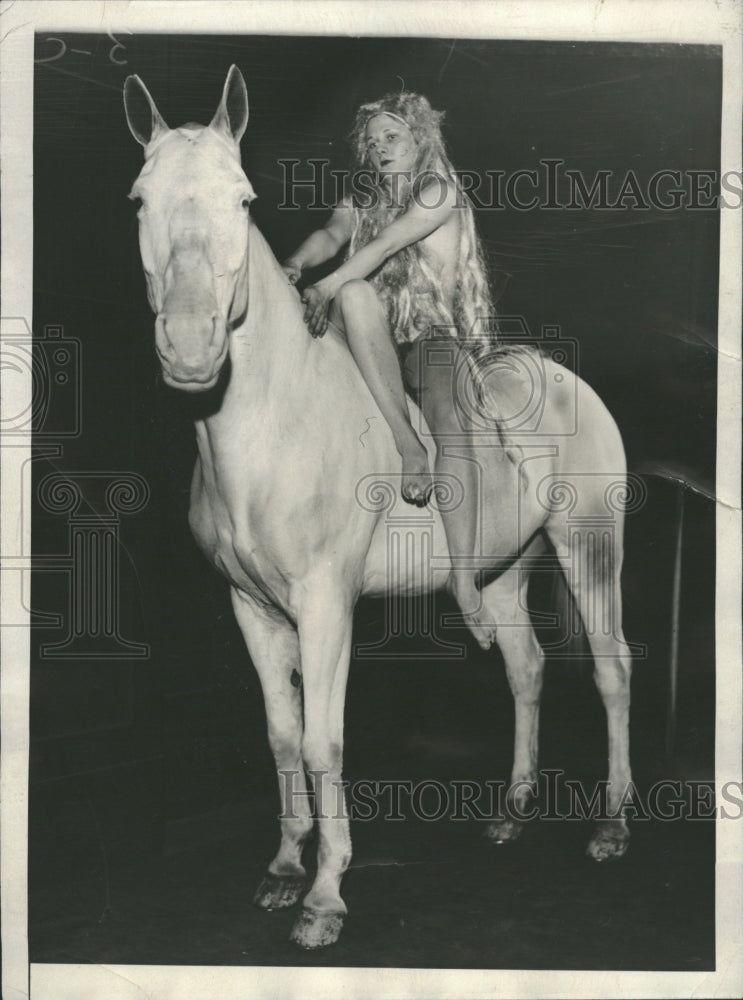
pixel 192 349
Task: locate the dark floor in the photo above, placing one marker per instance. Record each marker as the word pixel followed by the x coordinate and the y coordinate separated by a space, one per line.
pixel 420 894
pixel 118 878
pixel 433 896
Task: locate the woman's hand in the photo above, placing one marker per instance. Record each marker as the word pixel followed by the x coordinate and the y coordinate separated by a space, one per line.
pixel 292 271
pixel 317 299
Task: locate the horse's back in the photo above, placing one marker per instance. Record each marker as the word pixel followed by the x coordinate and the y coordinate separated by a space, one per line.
pixel 538 425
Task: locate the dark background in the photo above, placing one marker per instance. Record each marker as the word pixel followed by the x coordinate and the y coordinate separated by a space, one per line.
pixel 152 778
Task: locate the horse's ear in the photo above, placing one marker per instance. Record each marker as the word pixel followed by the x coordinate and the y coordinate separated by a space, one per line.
pixel 144 120
pixel 232 113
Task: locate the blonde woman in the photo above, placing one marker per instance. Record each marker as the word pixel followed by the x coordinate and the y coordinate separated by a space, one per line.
pixel 413 274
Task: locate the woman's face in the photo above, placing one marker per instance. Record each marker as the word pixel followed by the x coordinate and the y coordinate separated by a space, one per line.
pixel 390 145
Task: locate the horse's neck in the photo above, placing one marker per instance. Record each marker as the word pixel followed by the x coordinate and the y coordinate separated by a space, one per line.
pixel 268 351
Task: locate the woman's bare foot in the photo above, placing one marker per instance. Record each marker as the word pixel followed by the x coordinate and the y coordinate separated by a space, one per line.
pixel 461 586
pixel 417 482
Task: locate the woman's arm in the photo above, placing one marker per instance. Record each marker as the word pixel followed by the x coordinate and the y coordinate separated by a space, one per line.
pixel 323 244
pixel 418 222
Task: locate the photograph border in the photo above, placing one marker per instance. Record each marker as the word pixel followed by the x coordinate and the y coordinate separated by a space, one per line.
pixel 714 22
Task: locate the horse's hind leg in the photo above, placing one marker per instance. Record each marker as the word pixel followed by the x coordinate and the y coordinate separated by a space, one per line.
pixel 591 558
pixel 274 649
pixel 505 599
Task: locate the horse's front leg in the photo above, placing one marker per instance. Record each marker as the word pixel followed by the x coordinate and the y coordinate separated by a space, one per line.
pixel 325 624
pixel 273 645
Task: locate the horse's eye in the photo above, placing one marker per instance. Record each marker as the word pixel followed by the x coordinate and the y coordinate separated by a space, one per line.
pixel 136 201
pixel 246 203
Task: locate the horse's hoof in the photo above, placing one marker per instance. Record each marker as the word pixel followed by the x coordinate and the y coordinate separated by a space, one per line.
pixel 610 841
pixel 503 831
pixel 277 892
pixel 316 930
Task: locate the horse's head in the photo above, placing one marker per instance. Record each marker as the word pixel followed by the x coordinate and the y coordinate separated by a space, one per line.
pixel 193 230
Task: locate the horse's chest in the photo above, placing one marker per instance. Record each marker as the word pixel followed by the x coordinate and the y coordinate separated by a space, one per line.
pixel 235 540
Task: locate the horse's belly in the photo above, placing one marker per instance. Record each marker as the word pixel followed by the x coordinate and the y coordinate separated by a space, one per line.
pixel 409 552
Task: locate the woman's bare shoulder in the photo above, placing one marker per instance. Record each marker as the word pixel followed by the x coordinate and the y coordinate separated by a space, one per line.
pixel 435 188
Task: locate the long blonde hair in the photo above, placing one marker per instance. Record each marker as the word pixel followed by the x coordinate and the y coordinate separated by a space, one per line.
pixel 407 282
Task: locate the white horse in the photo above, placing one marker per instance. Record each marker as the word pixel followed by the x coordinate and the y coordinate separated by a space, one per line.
pixel 286 499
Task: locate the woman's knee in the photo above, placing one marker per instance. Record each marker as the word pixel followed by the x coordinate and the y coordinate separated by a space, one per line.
pixel 354 294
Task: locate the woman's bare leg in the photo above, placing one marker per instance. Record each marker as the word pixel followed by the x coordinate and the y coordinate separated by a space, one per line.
pixel 455 460
pixel 367 331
